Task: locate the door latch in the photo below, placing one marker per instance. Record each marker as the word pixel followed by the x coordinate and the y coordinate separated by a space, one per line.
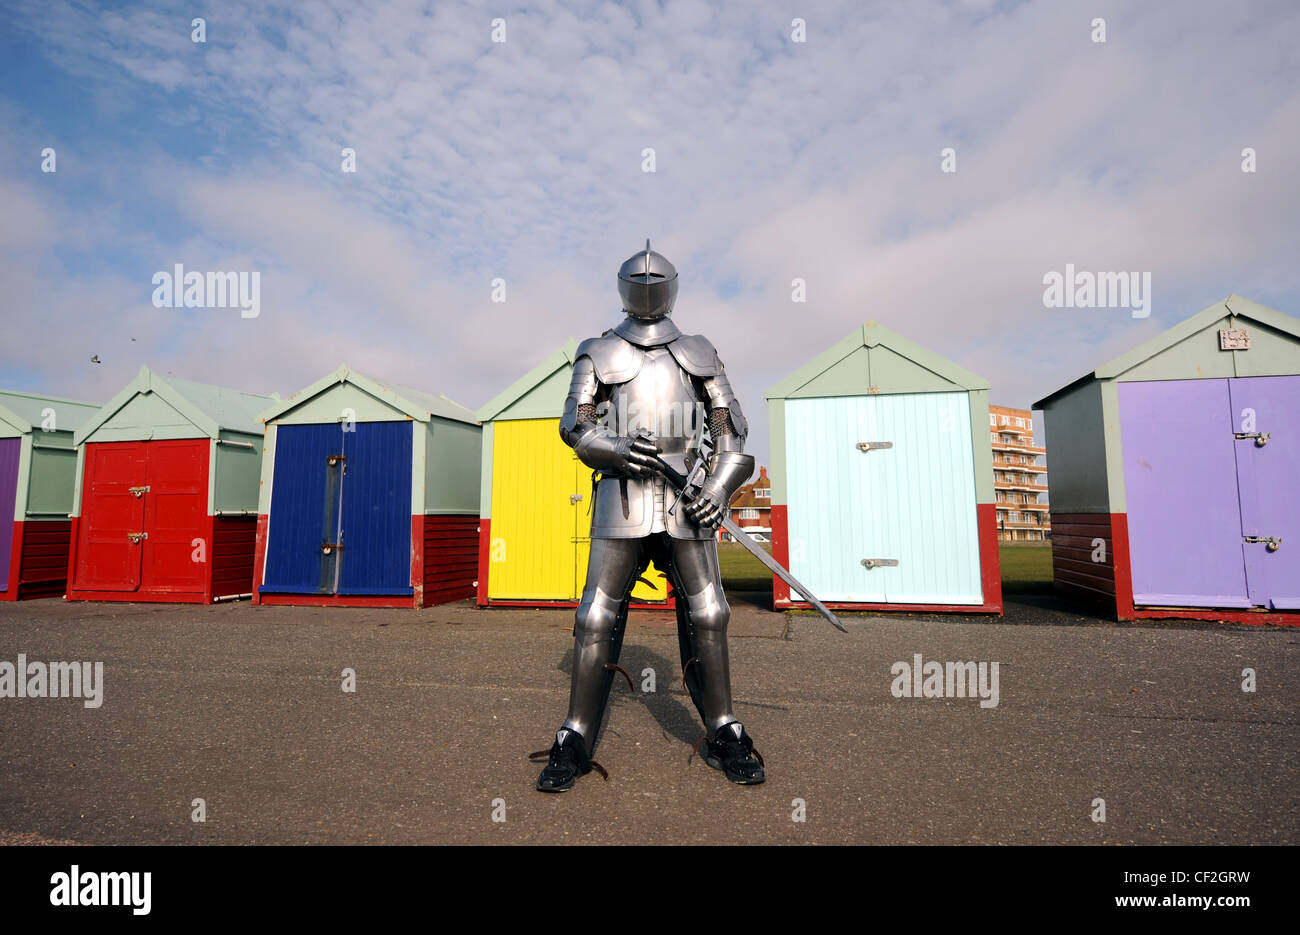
pixel 873 446
pixel 1261 438
pixel 1271 543
pixel 328 548
pixel 575 498
pixel 138 491
pixel 332 460
pixel 135 537
pixel 879 562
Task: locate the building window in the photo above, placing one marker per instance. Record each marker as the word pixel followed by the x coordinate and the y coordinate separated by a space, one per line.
pixel 993 420
pixel 763 493
pixel 749 514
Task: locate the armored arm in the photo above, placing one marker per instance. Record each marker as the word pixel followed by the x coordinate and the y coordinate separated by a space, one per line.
pixel 729 466
pixel 592 442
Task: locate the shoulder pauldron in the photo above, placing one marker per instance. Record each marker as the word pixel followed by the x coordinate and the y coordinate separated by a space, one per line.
pixel 615 360
pixel 696 355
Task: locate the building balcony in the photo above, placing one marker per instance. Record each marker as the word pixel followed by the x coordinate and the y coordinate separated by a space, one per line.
pixel 1000 465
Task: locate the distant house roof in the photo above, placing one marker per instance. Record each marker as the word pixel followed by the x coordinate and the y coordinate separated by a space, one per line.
pixel 1233 305
pixel 745 495
pixel 210 408
pixel 417 404
pixel 25 411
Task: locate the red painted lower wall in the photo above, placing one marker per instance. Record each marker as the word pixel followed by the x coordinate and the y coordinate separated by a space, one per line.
pixel 38 560
pixel 986 525
pixel 450 553
pixel 231 552
pixel 1106 581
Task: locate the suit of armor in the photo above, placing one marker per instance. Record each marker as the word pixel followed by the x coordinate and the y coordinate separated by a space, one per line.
pixel 640 392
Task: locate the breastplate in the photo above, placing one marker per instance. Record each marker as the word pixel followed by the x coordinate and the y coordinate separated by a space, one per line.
pixel 662 400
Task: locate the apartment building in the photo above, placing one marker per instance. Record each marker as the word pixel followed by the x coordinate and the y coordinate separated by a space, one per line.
pixel 1019 476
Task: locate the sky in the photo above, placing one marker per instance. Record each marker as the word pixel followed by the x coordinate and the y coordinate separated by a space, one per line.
pixel 523 160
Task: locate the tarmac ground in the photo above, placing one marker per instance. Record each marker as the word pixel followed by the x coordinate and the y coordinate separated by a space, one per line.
pixel 243 707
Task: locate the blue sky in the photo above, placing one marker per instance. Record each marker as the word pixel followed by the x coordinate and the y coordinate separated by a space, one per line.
pixel 522 160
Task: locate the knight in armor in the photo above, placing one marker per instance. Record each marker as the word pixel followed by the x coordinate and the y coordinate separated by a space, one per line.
pixel 641 392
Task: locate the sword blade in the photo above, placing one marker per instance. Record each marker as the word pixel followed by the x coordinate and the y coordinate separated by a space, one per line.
pixel 775 567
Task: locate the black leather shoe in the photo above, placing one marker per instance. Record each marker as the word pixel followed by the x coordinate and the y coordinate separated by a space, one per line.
pixel 732 751
pixel 567 760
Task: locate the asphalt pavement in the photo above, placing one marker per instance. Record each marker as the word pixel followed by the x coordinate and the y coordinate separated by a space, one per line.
pixel 243 707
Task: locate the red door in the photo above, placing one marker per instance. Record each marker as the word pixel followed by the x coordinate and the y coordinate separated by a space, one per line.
pixel 176 554
pixel 108 559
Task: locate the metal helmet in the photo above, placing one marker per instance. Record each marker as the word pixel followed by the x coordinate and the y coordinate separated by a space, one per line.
pixel 648 284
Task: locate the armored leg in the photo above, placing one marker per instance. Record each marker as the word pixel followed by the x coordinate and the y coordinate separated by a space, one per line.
pixel 702 628
pixel 598 631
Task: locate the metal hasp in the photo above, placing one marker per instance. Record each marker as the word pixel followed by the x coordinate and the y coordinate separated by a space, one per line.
pixel 135 537
pixel 139 491
pixel 879 562
pixel 575 498
pixel 874 446
pixel 332 460
pixel 1271 543
pixel 328 548
pixel 1261 438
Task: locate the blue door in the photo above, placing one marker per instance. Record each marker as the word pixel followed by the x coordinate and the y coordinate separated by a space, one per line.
pixel 376 525
pixel 304 517
pixel 340 518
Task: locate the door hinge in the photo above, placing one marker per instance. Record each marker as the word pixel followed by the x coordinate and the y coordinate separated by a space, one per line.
pixel 1271 543
pixel 136 537
pixel 139 491
pixel 873 446
pixel 1261 438
pixel 879 562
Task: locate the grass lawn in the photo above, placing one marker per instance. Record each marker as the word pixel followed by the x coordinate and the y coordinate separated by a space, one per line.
pixel 1026 567
pixel 740 570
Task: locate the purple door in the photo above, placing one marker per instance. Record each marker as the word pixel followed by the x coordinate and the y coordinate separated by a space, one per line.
pixel 1269 483
pixel 9 448
pixel 1180 477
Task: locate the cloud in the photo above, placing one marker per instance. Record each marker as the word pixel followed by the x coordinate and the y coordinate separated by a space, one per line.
pixel 522 160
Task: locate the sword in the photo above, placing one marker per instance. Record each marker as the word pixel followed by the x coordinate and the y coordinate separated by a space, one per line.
pixel 687 486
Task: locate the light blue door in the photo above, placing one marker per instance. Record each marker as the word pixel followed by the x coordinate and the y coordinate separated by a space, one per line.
pixel 883 479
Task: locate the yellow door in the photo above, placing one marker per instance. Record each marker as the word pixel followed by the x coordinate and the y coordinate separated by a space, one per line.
pixel 533 550
pixel 657 590
pixel 541 524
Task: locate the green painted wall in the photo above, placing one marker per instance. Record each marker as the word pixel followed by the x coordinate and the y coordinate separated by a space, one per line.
pixel 485 474
pixel 51 479
pixel 237 472
pixel 544 401
pixel 329 406
pixel 146 416
pixel 453 458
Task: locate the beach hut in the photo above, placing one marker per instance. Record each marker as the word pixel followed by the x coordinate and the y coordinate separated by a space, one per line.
pixel 1173 469
pixel 38 462
pixel 369 497
pixel 535 520
pixel 882 479
pixel 165 506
